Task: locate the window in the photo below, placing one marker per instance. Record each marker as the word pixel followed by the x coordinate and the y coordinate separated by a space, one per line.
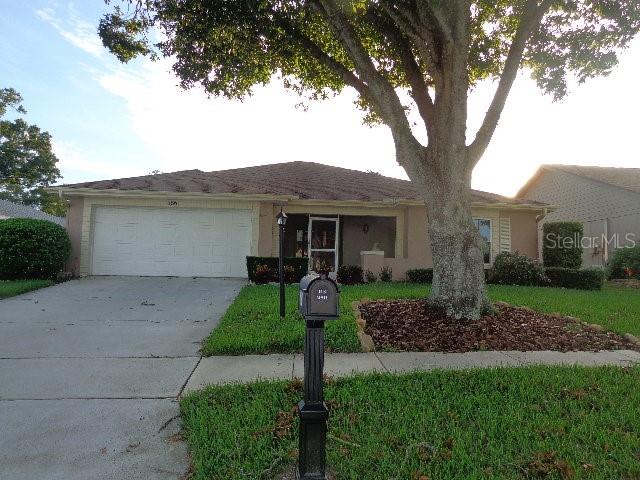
pixel 484 226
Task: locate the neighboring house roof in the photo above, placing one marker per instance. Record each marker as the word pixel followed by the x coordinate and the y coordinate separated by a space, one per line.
pixel 625 178
pixel 304 180
pixel 15 210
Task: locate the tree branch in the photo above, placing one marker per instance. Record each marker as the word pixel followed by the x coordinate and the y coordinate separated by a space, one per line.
pixel 415 77
pixel 530 20
pixel 431 14
pixel 383 93
pixel 423 39
pixel 331 63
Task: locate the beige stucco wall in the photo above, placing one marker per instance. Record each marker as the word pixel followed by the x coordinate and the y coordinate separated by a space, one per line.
pixel 511 229
pixel 418 245
pixel 265 235
pixel 82 249
pixel 74 228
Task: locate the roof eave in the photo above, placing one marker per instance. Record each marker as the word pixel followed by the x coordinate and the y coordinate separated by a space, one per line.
pixel 112 192
pixel 93 192
pixel 408 202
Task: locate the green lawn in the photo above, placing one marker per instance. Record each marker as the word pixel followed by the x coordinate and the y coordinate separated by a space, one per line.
pixel 252 324
pixel 10 288
pixel 537 422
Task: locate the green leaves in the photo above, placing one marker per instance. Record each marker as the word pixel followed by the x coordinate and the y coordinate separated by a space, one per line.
pixel 227 46
pixel 10 98
pixel 581 38
pixel 120 36
pixel 27 162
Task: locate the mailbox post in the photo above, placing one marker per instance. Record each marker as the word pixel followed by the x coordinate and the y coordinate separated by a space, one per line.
pixel 318 302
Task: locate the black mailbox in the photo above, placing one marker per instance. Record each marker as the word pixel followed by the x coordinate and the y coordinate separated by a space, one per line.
pixel 318 302
pixel 319 297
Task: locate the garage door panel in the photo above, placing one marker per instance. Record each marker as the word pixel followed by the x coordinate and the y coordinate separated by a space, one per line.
pixel 170 242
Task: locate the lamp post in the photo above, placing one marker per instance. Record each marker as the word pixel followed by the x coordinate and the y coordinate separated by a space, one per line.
pixel 282 221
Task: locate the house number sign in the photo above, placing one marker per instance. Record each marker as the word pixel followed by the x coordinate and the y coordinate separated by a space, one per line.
pixel 173 203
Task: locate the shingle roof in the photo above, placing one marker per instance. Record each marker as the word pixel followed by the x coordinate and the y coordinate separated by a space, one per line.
pixel 306 180
pixel 15 210
pixel 627 178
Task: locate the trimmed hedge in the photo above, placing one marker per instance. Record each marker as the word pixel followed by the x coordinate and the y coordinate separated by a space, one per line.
pixel 561 244
pixel 420 275
pixel 584 279
pixel 32 248
pixel 350 275
pixel 516 269
pixel 624 263
pixel 299 265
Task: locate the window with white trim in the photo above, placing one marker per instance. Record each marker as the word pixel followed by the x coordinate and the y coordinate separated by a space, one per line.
pixel 484 227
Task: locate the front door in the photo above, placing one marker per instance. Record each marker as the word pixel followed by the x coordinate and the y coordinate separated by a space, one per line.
pixel 323 243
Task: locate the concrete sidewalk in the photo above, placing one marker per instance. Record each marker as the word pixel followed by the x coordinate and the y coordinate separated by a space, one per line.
pixel 230 369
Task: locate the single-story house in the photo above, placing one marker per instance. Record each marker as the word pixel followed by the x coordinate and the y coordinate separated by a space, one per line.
pixel 195 223
pixel 15 210
pixel 605 199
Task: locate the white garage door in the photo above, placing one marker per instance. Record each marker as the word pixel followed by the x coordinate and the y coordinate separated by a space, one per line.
pixel 171 242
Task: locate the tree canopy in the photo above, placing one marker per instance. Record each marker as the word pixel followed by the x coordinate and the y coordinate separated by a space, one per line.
pixel 27 163
pixel 228 46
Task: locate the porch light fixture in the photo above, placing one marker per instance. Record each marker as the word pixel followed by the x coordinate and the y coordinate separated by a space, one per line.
pixel 365 228
pixel 282 221
pixel 282 218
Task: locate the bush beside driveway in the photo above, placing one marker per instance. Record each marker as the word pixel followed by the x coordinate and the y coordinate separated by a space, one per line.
pixel 252 325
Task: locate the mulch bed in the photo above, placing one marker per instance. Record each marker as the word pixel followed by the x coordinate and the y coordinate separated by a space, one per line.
pixel 410 325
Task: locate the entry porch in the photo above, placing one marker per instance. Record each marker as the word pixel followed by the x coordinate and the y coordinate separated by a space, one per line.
pixel 335 240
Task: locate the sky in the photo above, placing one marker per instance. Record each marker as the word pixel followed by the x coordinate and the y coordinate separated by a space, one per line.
pixel 110 120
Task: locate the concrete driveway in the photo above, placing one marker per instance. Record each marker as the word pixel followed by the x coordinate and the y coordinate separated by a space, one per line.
pixel 90 372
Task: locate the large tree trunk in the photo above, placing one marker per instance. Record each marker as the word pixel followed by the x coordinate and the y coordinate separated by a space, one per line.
pixel 442 172
pixel 457 251
pixel 457 248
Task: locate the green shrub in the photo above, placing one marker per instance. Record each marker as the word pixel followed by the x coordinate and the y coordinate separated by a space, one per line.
pixel 300 266
pixel 370 277
pixel 350 275
pixel 386 274
pixel 420 275
pixel 624 263
pixel 516 269
pixel 32 248
pixel 561 244
pixel 584 279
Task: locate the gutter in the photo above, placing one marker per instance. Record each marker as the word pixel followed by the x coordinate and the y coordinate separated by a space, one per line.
pixel 91 192
pixel 65 192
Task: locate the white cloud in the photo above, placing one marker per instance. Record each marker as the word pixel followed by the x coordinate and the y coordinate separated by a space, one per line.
pixel 185 129
pixel 77 165
pixel 73 29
